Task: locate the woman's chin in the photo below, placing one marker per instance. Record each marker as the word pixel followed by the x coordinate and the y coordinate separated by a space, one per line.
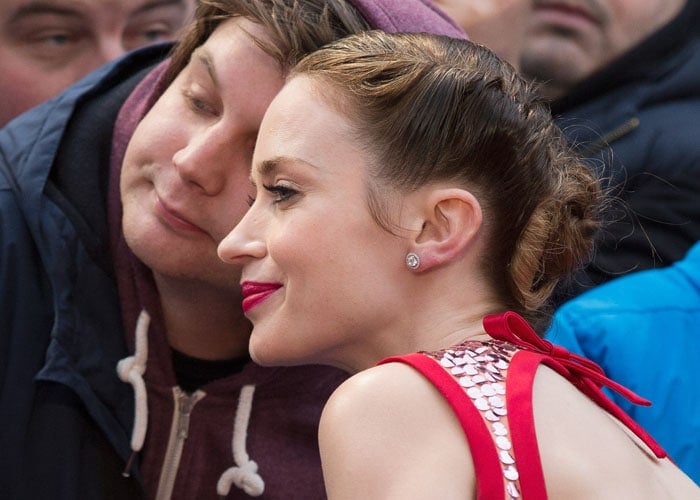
pixel 265 355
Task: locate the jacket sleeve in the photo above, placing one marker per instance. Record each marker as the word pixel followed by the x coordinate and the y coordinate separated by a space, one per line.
pixel 26 318
pixel 563 332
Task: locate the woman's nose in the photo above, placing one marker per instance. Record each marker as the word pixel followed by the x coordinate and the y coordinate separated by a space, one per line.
pixel 245 240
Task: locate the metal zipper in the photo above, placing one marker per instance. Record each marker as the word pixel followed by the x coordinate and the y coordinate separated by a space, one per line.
pixel 184 403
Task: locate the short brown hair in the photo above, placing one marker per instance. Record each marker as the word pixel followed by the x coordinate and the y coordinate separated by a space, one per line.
pixel 432 108
pixel 295 27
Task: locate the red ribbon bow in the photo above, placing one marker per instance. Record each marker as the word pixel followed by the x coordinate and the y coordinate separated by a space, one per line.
pixel 582 372
pixel 511 327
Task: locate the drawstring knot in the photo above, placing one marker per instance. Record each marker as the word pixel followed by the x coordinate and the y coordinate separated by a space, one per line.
pixel 245 474
pixel 245 477
pixel 131 370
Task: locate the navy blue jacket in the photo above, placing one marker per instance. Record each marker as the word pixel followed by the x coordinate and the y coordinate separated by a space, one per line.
pixel 66 419
pixel 636 121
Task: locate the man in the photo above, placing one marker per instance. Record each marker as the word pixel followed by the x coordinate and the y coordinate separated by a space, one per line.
pixel 161 148
pixel 46 45
pixel 624 77
pixel 498 24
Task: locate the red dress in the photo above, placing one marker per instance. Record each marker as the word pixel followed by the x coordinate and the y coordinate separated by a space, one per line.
pixel 489 387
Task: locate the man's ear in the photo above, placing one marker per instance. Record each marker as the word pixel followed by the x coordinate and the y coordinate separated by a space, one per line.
pixel 451 220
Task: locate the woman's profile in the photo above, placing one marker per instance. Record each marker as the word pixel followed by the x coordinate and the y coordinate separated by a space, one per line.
pixel 415 207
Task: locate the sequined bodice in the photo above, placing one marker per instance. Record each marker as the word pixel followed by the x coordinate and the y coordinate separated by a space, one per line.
pixel 480 368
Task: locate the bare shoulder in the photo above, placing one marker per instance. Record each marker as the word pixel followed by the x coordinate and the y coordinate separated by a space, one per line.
pixel 579 441
pixel 374 386
pixel 387 432
pixel 387 400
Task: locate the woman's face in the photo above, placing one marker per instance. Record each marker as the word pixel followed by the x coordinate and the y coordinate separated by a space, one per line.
pixel 319 274
pixel 185 175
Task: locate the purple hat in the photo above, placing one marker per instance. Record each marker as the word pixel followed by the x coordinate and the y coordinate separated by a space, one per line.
pixel 408 15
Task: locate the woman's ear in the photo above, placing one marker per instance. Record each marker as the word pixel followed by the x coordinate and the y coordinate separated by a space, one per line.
pixel 451 221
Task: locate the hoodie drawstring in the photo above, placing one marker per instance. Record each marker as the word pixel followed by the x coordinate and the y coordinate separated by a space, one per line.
pixel 131 370
pixel 245 475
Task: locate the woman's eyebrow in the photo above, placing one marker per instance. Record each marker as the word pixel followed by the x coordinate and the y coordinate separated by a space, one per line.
pixel 270 166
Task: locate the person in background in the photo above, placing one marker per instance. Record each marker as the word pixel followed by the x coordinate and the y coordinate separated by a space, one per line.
pixel 498 24
pixel 123 346
pixel 618 324
pixel 46 45
pixel 623 79
pixel 415 206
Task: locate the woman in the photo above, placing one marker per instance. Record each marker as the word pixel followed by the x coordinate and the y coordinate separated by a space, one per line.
pixel 412 196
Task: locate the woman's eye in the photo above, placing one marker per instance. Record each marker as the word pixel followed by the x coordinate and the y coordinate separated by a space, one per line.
pixel 280 192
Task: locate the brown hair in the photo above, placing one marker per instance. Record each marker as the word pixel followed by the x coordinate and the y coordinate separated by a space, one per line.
pixel 432 108
pixel 295 27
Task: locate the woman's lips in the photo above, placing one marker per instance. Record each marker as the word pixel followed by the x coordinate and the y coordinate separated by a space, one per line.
pixel 255 293
pixel 173 218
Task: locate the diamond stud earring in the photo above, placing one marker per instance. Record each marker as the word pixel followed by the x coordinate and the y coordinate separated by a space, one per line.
pixel 412 261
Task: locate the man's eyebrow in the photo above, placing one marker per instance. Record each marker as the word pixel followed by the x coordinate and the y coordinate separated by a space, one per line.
pixel 155 4
pixel 202 57
pixel 41 7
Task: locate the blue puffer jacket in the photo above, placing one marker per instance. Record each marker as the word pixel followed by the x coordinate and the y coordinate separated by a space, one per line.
pixel 637 122
pixel 644 330
pixel 66 418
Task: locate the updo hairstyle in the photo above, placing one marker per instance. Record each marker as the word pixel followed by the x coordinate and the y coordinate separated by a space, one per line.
pixel 431 108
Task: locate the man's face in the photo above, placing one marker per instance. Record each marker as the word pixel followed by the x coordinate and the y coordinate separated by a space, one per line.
pixel 498 24
pixel 568 40
pixel 185 176
pixel 46 45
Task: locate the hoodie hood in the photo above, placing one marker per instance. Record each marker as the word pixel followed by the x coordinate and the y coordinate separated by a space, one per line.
pixel 413 16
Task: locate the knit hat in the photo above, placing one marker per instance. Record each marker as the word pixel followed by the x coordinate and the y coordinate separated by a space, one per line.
pixel 413 16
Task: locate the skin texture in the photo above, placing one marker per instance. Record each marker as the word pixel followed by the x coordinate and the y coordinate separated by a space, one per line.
pixel 568 40
pixel 185 184
pixel 498 24
pixel 46 45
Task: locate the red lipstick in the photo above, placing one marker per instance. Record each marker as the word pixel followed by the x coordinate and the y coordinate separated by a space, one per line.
pixel 254 293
